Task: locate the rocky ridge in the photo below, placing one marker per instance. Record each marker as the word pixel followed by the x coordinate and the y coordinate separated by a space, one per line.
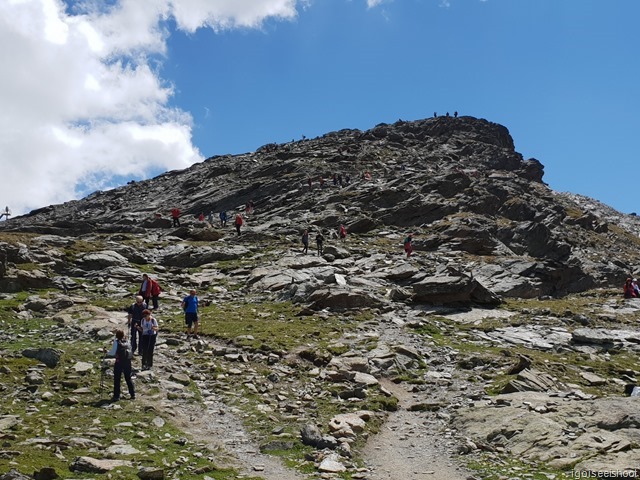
pixel 374 364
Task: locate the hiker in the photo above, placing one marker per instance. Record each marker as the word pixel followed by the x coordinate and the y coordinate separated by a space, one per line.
pixel 319 242
pixel 305 241
pixel 321 182
pixel 6 213
pixel 175 215
pixel 342 233
pixel 210 218
pixel 335 179
pixel 347 179
pixel 435 114
pixel 309 182
pixel 238 222
pixel 455 114
pixel 628 290
pixel 149 290
pixel 340 180
pixel 447 114
pixel 134 317
pixel 408 245
pixel 636 288
pixel 190 306
pixel 148 339
pixel 201 217
pixel 122 365
pixel 223 218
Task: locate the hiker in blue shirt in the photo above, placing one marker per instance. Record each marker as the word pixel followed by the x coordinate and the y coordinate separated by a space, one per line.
pixel 223 218
pixel 190 306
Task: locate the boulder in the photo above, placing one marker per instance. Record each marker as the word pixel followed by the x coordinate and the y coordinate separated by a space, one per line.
pixel 310 435
pixel 49 356
pixel 446 289
pixel 336 252
pixel 13 474
pixel 362 225
pixel 151 473
pixel 342 299
pixel 100 260
pixel 94 465
pixel 531 380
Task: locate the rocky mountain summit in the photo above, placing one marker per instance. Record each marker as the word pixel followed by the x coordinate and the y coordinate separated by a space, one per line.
pixel 499 349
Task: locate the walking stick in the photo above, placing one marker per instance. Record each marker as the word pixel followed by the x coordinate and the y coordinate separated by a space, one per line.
pixel 103 370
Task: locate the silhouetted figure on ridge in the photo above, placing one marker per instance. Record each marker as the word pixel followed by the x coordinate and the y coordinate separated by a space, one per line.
pixel 6 213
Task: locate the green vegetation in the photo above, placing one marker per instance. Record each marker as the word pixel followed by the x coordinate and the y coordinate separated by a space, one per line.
pixel 52 433
pixel 14 238
pixel 268 327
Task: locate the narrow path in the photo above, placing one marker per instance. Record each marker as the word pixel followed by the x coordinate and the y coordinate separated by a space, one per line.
pixel 216 425
pixel 211 422
pixel 406 447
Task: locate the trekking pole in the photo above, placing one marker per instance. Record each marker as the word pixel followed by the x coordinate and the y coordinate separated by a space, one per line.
pixel 103 370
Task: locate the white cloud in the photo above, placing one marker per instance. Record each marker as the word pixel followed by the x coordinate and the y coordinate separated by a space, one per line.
pixel 81 102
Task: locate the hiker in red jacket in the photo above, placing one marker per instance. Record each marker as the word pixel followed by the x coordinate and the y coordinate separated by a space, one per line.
pixel 238 222
pixel 342 233
pixel 149 289
pixel 175 215
pixel 628 290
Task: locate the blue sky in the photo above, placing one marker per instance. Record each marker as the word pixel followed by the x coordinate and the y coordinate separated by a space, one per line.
pixel 227 76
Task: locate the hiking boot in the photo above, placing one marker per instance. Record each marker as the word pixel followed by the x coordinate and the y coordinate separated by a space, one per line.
pixel 114 399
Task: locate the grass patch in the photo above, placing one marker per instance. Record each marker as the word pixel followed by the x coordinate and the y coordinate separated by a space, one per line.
pixel 269 327
pixel 14 238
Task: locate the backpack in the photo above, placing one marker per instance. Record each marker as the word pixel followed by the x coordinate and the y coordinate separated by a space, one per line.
pixel 124 350
pixel 155 288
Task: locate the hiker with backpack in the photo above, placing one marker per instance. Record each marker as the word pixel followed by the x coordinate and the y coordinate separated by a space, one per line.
pixel 134 318
pixel 148 339
pixel 305 241
pixel 223 218
pixel 408 244
pixel 149 290
pixel 319 242
pixel 190 306
pixel 122 352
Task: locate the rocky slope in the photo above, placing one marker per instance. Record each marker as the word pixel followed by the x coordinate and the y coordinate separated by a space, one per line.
pixel 485 350
pixel 474 203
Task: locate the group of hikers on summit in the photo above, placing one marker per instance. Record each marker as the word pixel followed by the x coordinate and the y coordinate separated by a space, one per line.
pixel 143 327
